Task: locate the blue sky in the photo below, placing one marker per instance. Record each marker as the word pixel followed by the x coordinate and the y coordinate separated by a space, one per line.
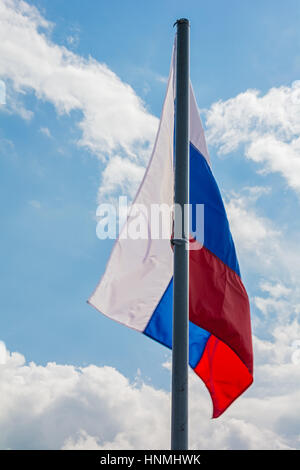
pixel 59 144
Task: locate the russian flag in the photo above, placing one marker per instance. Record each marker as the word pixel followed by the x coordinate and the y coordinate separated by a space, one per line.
pixel 136 288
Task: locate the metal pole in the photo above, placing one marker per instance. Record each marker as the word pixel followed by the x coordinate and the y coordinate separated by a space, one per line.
pixel 179 426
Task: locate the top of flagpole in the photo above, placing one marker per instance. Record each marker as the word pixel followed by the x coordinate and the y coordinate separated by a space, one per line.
pixel 180 21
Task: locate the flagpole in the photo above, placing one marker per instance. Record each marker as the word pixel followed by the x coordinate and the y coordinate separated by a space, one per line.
pixel 179 424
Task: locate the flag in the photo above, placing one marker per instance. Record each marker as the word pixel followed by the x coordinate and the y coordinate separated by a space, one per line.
pixel 137 286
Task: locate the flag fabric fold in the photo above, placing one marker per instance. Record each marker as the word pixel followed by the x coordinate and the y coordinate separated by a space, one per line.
pixel 137 286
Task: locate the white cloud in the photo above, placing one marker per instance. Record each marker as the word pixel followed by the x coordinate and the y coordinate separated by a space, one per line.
pixel 46 407
pixel 270 262
pixel 45 131
pixel 266 305
pixel 14 103
pixel 2 92
pixel 61 406
pixel 276 290
pixel 278 156
pixel 254 235
pixel 272 257
pixel 3 353
pixel 114 119
pixel 268 125
pixel 121 174
pixel 268 251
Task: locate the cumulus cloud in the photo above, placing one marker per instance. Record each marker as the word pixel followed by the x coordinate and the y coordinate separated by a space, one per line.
pixel 120 174
pixel 3 353
pixel 113 119
pixel 268 125
pixel 62 406
pixel 264 248
pixel 269 256
pixel 255 235
pixel 46 407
